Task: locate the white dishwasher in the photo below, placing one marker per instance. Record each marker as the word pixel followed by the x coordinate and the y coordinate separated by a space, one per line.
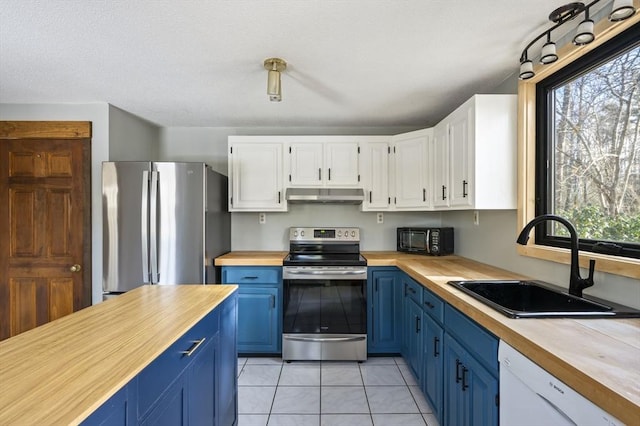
pixel 530 396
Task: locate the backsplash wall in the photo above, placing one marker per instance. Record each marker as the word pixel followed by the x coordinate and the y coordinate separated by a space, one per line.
pixel 248 234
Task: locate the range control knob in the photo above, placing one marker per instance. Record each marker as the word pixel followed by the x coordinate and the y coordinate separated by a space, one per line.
pixel 353 234
pixel 295 233
pixel 302 233
pixel 339 234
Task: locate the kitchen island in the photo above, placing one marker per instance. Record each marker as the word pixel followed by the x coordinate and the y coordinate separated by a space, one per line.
pixel 599 358
pixel 63 371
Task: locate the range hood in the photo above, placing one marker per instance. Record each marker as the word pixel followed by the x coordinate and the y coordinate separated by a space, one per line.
pixel 325 195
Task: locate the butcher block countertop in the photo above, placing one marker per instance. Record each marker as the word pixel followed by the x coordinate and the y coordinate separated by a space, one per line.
pixel 600 358
pixel 251 258
pixel 60 372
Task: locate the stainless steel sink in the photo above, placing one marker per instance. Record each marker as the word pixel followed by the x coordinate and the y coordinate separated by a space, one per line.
pixel 536 299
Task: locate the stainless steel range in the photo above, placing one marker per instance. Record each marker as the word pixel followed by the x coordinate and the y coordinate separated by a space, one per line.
pixel 325 296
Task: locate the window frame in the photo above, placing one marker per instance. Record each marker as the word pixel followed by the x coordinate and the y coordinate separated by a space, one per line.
pixel 544 128
pixel 527 147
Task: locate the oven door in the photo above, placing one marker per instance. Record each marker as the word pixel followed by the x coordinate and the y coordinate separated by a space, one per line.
pixel 325 313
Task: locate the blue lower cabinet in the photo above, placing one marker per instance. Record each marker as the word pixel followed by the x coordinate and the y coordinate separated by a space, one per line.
pixel 470 371
pixel 385 311
pixel 259 307
pixel 194 382
pixel 258 316
pixel 413 356
pixel 432 356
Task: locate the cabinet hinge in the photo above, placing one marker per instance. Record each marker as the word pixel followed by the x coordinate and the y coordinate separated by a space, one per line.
pixel 497 400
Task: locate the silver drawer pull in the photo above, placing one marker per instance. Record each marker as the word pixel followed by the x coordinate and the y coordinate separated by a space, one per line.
pixel 194 347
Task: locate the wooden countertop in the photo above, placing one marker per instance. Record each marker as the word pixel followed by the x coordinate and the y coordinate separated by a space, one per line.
pixel 251 258
pixel 60 372
pixel 599 358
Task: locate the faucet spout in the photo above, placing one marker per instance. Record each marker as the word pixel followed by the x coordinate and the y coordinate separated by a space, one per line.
pixel 576 282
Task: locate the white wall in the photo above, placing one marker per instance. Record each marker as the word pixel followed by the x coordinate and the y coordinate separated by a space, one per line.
pixel 98 114
pixel 248 234
pixel 131 138
pixel 116 135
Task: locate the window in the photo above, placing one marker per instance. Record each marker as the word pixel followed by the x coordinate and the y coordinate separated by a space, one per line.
pixel 588 149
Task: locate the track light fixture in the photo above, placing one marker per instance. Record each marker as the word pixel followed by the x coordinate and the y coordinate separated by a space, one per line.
pixel 621 10
pixel 275 66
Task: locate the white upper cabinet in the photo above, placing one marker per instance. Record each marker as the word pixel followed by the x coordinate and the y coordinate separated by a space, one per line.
pixel 329 163
pixel 413 173
pixel 374 169
pixel 441 187
pixel 482 153
pixel 255 175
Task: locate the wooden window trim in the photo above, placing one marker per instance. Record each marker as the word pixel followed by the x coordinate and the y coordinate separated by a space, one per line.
pixel 623 266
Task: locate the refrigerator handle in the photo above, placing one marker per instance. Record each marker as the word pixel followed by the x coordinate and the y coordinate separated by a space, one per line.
pixel 144 222
pixel 153 234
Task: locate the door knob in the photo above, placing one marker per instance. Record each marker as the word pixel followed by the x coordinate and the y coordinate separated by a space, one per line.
pixel 75 268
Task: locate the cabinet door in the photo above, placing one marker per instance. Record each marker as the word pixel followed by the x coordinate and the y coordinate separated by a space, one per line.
pixel 415 346
pixel 117 411
pixel 385 313
pixel 441 166
pixel 456 406
pixel 258 308
pixel 470 390
pixel 256 177
pixel 306 164
pixel 411 186
pixel 459 145
pixel 201 381
pixel 374 168
pixel 432 355
pixel 341 164
pixel 171 408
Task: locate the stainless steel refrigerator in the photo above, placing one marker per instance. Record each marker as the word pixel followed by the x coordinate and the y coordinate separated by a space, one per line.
pixel 163 223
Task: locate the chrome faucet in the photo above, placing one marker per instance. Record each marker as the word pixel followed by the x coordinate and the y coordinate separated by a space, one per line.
pixel 576 282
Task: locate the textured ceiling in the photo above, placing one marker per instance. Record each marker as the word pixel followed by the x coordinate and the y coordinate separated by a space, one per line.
pixel 199 62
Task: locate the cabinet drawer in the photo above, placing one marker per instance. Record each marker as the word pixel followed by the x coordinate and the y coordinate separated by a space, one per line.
pixel 412 289
pixel 251 275
pixel 157 376
pixel 433 305
pixel 478 341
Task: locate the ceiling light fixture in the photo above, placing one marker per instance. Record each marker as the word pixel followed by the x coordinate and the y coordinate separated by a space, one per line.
pixel 275 66
pixel 621 10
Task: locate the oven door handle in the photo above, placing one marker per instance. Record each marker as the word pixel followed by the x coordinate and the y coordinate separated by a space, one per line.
pixel 325 339
pixel 327 272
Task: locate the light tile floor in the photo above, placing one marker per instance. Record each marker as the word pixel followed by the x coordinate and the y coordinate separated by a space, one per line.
pixel 378 392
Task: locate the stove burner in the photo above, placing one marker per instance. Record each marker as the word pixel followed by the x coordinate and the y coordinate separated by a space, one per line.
pixel 324 247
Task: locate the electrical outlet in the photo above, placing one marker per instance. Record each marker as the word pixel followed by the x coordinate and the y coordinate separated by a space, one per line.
pixel 380 218
pixel 476 217
pixel 262 218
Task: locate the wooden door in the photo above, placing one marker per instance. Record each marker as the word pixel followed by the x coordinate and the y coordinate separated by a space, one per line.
pixel 45 241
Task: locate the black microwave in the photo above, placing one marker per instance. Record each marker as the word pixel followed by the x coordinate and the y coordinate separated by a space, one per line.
pixel 428 241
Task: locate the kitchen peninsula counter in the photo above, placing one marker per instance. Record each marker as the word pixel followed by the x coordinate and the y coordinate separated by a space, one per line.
pixel 599 358
pixel 61 372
